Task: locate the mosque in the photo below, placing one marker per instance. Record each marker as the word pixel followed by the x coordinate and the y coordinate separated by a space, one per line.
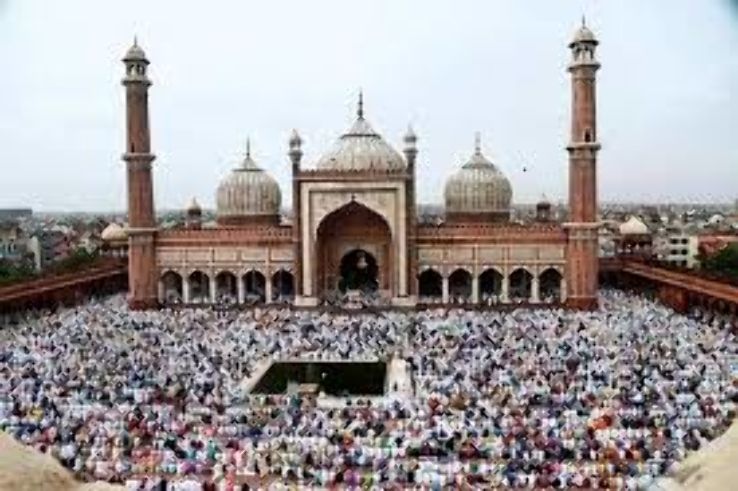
pixel 354 224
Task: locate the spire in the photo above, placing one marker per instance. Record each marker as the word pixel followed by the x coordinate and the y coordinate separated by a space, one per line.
pixel 295 140
pixel 584 21
pixel 410 136
pixel 135 52
pixel 248 163
pixel 477 143
pixel 410 140
pixel 360 108
pixel 193 205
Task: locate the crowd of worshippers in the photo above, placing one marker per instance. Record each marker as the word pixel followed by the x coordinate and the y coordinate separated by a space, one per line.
pixel 522 399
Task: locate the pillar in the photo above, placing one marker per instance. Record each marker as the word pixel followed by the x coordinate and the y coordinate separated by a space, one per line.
pixel 162 291
pixel 241 289
pixel 505 296
pixel 444 294
pixel 213 289
pixel 475 289
pixel 582 229
pixel 268 288
pixel 142 275
pixel 186 293
pixel 295 155
pixel 535 290
pixel 563 290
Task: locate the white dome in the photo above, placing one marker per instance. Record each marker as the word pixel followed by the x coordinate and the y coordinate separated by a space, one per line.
pixel 478 188
pixel 361 148
pixel 248 191
pixel 114 233
pixel 633 226
pixel 716 219
pixel 135 53
pixel 584 35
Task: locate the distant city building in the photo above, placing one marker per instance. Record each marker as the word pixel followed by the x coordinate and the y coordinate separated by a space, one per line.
pixel 15 214
pixel 678 248
pixel 49 246
pixel 14 243
pixel 634 239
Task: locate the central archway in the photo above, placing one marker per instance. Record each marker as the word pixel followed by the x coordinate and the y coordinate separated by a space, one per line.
pixel 359 271
pixel 353 249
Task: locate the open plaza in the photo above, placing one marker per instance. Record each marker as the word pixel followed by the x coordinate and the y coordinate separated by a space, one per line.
pixel 546 398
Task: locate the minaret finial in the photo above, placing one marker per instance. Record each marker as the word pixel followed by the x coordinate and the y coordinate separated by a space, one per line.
pixel 478 143
pixel 360 109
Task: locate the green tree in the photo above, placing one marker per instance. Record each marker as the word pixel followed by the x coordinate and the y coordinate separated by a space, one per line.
pixel 77 259
pixel 724 263
pixel 14 271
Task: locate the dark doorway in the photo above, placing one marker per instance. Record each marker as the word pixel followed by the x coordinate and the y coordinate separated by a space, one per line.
pixel 460 285
pixel 430 283
pixel 254 286
pixel 490 284
pixel 521 283
pixel 358 272
pixel 283 286
pixel 550 285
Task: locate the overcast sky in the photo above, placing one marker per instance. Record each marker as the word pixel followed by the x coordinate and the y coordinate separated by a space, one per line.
pixel 222 71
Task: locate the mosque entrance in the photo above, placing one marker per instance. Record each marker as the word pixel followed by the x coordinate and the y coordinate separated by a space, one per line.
pixel 353 251
pixel 358 272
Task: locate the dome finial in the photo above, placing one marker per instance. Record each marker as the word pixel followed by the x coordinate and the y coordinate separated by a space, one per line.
pixel 360 109
pixel 410 135
pixel 477 143
pixel 248 148
pixel 584 21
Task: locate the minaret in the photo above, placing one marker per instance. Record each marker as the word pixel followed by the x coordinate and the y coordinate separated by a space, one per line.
pixel 411 154
pixel 582 248
pixel 142 277
pixel 295 155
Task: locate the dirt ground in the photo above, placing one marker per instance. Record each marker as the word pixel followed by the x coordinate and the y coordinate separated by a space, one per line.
pixel 24 469
pixel 714 468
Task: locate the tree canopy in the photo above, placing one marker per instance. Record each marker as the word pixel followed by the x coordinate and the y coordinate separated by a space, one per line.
pixel 724 262
pixel 16 271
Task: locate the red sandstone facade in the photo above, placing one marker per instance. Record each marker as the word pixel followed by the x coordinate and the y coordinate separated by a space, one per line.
pixel 471 258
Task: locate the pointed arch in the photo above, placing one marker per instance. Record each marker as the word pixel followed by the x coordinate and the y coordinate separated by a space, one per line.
pixel 173 286
pixel 226 287
pixel 521 284
pixel 283 286
pixel 254 286
pixel 460 285
pixel 430 284
pixel 490 284
pixel 199 285
pixel 550 285
pixel 350 228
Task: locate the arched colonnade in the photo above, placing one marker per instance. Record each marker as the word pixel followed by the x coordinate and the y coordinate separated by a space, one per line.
pixel 491 285
pixel 226 287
